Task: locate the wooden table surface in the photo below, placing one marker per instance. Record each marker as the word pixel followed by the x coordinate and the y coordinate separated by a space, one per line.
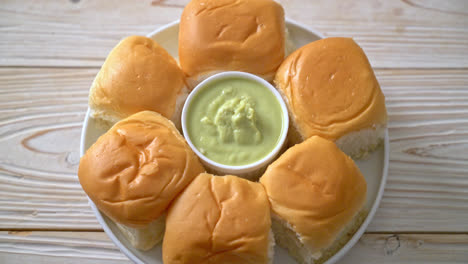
pixel 51 50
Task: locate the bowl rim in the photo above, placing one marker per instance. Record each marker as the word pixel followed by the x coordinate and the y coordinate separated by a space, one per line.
pixel 246 168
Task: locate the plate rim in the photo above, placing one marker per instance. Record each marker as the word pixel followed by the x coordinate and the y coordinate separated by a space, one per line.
pixel 337 256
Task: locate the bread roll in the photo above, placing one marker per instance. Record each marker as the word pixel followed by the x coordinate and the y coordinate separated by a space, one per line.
pixel 138 75
pixel 225 35
pixel 134 171
pixel 317 195
pixel 331 91
pixel 219 220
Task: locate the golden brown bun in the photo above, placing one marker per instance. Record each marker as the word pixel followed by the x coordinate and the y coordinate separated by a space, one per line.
pixel 137 168
pixel 218 220
pixel 137 75
pixel 331 89
pixel 317 189
pixel 222 35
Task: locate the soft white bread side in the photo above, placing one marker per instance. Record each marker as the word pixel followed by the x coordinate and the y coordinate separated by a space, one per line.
pixel 331 90
pixel 180 101
pixel 271 246
pixel 317 195
pixel 138 75
pixel 287 238
pixel 225 35
pixel 289 46
pixel 134 171
pixel 358 144
pixel 144 238
pixel 223 219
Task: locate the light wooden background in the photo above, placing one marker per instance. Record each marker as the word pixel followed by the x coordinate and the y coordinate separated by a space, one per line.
pixel 51 50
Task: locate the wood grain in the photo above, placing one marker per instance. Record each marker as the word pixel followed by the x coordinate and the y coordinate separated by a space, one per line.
pixel 394 34
pixel 41 113
pixel 409 248
pixel 51 50
pixel 40 123
pixel 95 247
pixel 58 247
pixel 427 187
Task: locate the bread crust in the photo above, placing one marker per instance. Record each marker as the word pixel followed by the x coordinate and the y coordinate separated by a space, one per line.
pixel 134 171
pixel 222 219
pixel 137 75
pixel 317 189
pixel 330 89
pixel 225 35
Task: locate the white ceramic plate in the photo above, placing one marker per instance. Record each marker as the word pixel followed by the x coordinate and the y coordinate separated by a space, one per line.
pixel 374 168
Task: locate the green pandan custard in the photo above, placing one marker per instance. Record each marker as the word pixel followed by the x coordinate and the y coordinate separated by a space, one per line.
pixel 234 121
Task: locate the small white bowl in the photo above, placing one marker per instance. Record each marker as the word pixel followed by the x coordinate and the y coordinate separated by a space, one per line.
pixel 247 170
